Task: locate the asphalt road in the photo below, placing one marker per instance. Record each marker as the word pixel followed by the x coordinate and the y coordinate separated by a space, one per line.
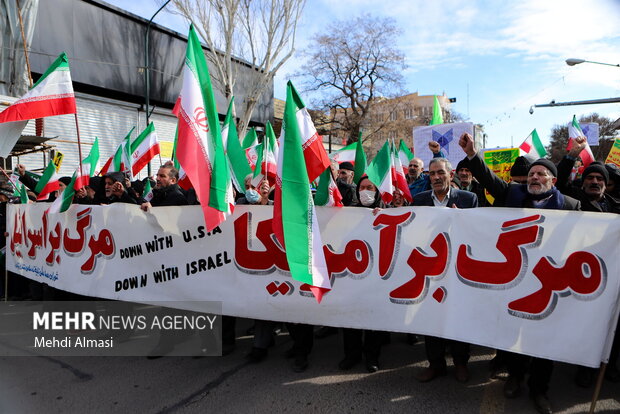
pixel 232 385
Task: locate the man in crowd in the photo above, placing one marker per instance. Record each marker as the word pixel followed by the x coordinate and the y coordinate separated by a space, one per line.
pixel 166 192
pixel 468 183
pixel 593 197
pixel 443 195
pixel 345 184
pixel 418 181
pixel 115 191
pixel 538 192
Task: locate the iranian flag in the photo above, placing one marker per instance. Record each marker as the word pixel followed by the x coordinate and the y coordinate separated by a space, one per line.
pixel 199 148
pixel 532 148
pixel 327 193
pixel 48 183
pixel 252 147
pixel 143 149
pixel 269 156
pixel 52 95
pixel 380 172
pixel 574 131
pixel 237 161
pixel 89 166
pixel 399 180
pixel 119 162
pixel 295 223
pixel 405 156
pixel 147 193
pixel 183 182
pixel 345 154
pixel 64 200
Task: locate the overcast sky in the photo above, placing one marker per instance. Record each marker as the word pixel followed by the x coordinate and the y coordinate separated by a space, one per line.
pixel 497 58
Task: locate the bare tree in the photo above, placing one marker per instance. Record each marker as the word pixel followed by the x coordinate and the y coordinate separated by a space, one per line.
pixel 352 66
pixel 261 32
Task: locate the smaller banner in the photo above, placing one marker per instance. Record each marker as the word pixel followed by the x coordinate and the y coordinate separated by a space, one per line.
pixel 614 153
pixel 591 131
pixel 447 135
pixel 500 161
pixel 58 160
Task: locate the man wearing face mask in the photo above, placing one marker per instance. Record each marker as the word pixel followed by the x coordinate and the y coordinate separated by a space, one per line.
pixel 443 195
pixel 358 342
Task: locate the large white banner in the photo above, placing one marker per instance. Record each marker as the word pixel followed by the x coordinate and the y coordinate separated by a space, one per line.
pixel 447 135
pixel 538 282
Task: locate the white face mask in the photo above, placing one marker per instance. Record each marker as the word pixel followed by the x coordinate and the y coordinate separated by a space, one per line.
pixel 367 197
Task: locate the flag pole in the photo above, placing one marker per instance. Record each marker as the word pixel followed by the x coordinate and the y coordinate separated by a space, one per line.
pixel 597 389
pixel 21 25
pixel 9 179
pixel 77 129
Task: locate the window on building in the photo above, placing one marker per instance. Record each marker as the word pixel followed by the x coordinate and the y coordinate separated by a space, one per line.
pixel 408 113
pixel 392 135
pixel 393 116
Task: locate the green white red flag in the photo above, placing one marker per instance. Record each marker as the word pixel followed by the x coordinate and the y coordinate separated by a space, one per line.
pixel 147 193
pixel 346 154
pixel 532 148
pixel 295 223
pixel 48 183
pixel 119 162
pixel 239 167
pixel 89 166
pixel 327 193
pixel 199 148
pixel 380 172
pixel 252 147
pixel 52 95
pixel 405 156
pixel 399 180
pixel 64 200
pixel 183 182
pixel 143 149
pixel 574 131
pixel 266 167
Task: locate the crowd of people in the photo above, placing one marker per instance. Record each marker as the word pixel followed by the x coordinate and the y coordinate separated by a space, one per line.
pixel 539 184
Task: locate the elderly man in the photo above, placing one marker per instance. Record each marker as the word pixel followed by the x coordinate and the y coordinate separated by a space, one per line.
pixel 443 195
pixel 114 188
pixel 416 178
pixel 345 184
pixel 538 192
pixel 467 182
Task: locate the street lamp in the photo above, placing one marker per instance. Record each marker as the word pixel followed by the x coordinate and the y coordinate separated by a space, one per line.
pixel 573 62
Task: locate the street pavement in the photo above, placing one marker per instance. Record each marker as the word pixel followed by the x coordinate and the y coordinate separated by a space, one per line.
pixel 230 384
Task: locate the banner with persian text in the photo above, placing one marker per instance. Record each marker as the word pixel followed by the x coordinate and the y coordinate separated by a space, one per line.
pixel 539 282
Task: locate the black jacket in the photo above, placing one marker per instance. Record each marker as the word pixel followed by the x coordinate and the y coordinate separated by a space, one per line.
pixel 506 194
pixel 607 205
pixel 171 195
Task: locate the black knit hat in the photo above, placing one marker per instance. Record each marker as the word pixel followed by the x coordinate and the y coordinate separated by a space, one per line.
pixel 614 172
pixel 547 164
pixel 65 180
pixel 464 163
pixel 520 167
pixel 598 168
pixel 346 166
